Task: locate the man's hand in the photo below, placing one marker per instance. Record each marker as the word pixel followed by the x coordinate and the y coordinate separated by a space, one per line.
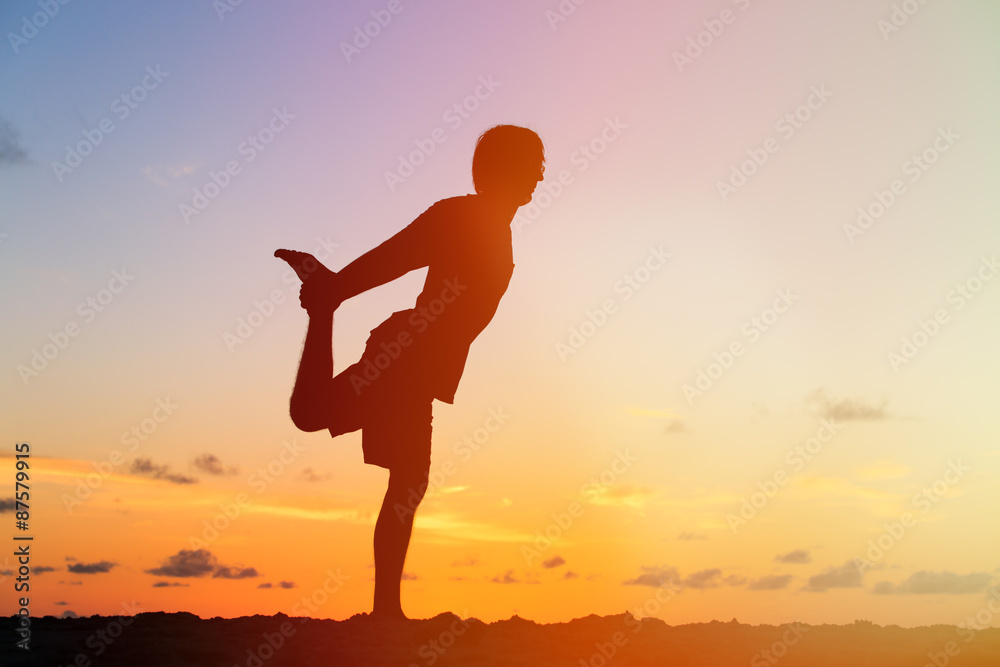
pixel 318 295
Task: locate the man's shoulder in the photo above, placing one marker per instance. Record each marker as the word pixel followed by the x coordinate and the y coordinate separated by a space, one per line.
pixel 455 204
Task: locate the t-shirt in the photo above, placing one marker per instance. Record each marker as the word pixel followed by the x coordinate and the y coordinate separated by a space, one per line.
pixel 467 248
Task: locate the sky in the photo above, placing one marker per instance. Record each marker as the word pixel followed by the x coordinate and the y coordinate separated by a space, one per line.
pixel 745 367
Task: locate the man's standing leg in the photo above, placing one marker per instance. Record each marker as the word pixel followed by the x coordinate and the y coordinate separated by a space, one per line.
pixel 392 537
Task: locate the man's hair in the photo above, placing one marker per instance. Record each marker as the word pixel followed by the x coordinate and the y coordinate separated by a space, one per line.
pixel 502 151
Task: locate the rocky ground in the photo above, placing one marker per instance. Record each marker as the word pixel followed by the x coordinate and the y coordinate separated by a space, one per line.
pixel 151 639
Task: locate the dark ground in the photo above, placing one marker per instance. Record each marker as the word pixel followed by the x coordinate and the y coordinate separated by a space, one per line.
pixel 151 639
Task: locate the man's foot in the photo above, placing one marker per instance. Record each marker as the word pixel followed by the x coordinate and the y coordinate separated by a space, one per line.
pixel 305 265
pixel 318 292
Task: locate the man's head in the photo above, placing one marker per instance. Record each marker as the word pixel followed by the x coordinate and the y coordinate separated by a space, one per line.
pixel 508 163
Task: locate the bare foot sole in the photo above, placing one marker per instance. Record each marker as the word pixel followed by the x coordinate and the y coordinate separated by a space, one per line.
pixel 304 264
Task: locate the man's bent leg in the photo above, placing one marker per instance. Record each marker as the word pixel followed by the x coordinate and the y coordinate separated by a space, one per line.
pixel 312 397
pixel 392 537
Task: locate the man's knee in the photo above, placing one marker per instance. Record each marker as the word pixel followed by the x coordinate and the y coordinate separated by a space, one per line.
pixel 307 417
pixel 311 411
pixel 408 485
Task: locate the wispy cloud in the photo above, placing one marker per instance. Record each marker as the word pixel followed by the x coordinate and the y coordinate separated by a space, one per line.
pixel 800 556
pixel 655 577
pixel 771 582
pixel 11 150
pixel 146 468
pixel 845 576
pixel 506 578
pixel 936 583
pixel 164 175
pixel 212 465
pixel 555 561
pixel 91 568
pixel 200 563
pixel 846 409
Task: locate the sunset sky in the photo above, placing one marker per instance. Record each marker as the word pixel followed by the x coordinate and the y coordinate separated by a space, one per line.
pixel 748 354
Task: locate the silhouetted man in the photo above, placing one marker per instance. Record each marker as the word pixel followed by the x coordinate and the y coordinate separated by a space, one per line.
pixel 419 354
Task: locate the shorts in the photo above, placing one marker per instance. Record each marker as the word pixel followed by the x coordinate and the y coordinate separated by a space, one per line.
pixel 390 400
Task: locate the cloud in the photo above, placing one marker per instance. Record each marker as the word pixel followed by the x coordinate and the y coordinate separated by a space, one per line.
pixel 164 174
pixel 187 563
pixel 210 464
pixel 310 475
pixel 62 603
pixel 735 580
pixel 468 561
pixel 623 495
pixel 91 568
pixel 226 572
pixel 703 579
pixel 7 505
pixel 146 467
pixel 506 578
pixel 11 151
pixel 280 584
pixel 845 576
pixel 169 584
pixel 555 561
pixel 799 556
pixel 847 409
pixel 570 575
pixel 655 577
pixel 42 569
pixel 408 577
pixel 936 583
pixel 687 537
pixel 771 582
pixel 676 427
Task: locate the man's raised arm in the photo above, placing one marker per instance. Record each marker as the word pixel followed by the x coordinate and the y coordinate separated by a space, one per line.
pixel 409 249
